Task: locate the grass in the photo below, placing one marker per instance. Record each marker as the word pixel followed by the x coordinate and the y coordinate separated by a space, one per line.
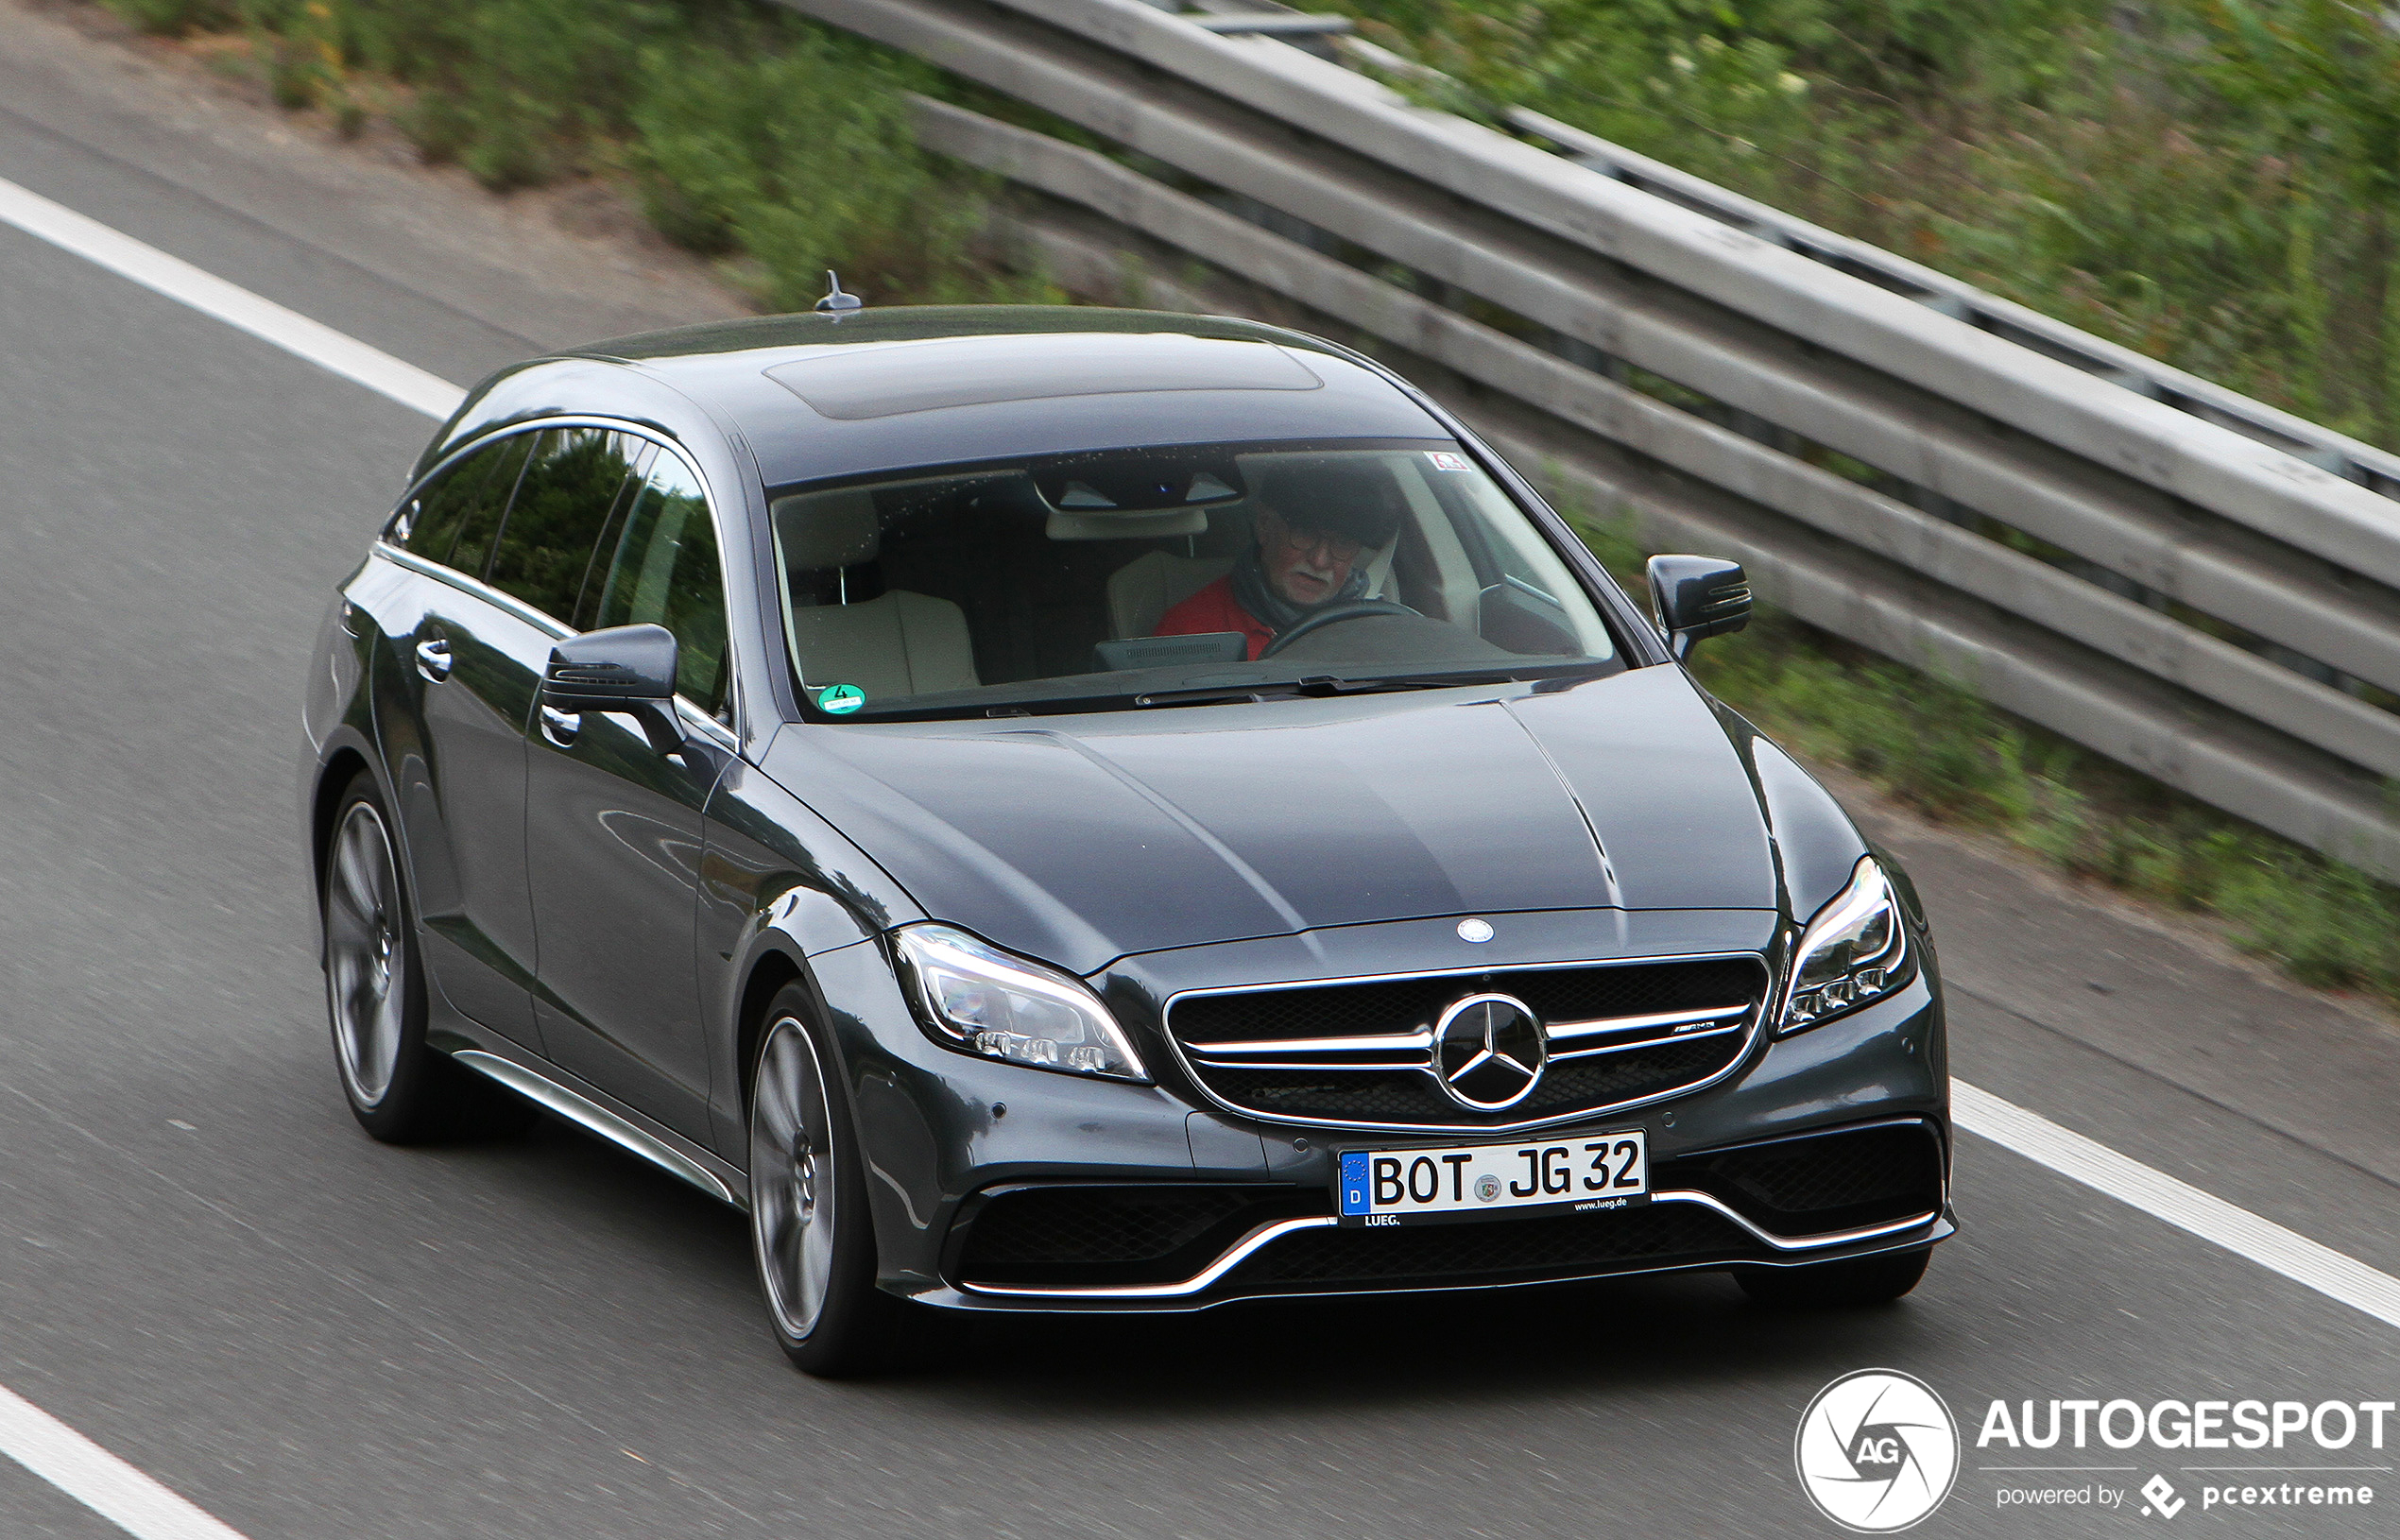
pixel 1932 744
pixel 747 133
pixel 2213 182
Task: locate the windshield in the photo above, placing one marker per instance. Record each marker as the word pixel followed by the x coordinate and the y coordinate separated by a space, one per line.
pixel 1171 576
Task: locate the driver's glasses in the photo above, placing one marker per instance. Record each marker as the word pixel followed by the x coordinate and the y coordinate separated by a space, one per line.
pixel 1333 547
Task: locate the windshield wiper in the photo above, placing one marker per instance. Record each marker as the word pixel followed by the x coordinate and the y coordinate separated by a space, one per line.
pixel 1314 686
pixel 1537 673
pixel 1212 696
pixel 1327 684
pixel 1320 685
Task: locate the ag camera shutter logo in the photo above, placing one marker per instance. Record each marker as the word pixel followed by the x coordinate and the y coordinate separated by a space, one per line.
pixel 1877 1450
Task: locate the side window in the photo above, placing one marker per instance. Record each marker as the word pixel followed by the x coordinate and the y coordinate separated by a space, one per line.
pixel 428 526
pixel 659 567
pixel 479 513
pixel 570 488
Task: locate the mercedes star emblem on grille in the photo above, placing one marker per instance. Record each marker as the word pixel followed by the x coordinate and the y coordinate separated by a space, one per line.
pixel 1488 1052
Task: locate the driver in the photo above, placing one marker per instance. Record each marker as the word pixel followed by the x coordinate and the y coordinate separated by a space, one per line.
pixel 1310 524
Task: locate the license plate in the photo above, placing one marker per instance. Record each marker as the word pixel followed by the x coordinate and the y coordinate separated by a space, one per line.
pixel 1588 1173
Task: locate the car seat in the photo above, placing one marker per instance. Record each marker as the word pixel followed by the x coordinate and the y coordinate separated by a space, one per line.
pixel 1145 589
pixel 896 643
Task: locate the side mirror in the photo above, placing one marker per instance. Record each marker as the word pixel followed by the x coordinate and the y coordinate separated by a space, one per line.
pixel 1696 597
pixel 628 669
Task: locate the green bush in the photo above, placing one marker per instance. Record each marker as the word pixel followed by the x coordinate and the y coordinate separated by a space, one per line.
pixel 173 18
pixel 801 158
pixel 2213 182
pixel 749 132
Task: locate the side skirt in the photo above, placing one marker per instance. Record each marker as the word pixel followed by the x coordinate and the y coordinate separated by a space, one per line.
pixel 664 1150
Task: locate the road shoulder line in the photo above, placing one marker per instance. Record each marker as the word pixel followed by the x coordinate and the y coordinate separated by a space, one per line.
pixel 2240 1231
pixel 124 1495
pixel 235 307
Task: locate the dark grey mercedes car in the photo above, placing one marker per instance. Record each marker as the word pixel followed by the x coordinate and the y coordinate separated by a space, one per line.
pixel 1080 810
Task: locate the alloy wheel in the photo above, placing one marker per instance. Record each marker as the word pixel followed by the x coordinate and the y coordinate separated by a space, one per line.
pixel 362 953
pixel 792 1184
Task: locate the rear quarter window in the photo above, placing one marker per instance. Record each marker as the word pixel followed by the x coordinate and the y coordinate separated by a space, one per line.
pixel 454 516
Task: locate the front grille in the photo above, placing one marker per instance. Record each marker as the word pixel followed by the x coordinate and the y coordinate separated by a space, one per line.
pixel 1823 1182
pixel 1392 1006
pixel 1374 1071
pixel 1116 1234
pixel 1566 1246
pixel 1410 1096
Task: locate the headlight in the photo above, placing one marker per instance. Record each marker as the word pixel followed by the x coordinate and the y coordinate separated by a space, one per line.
pixel 1851 952
pixel 980 1000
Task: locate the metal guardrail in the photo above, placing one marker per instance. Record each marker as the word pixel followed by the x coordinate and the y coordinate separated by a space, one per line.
pixel 2186 581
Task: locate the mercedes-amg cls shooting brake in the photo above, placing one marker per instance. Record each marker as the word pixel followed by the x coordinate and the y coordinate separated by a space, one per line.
pixel 1069 810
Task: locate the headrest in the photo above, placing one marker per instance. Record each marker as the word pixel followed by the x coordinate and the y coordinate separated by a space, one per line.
pixel 1351 497
pixel 820 531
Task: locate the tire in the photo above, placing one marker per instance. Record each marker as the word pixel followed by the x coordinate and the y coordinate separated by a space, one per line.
pixel 1847 1285
pixel 811 1233
pixel 400 1091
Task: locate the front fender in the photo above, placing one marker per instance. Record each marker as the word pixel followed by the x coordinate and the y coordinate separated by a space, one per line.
pixel 779 886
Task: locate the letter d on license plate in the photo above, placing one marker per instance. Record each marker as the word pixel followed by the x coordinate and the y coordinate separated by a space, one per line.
pixel 1587 1173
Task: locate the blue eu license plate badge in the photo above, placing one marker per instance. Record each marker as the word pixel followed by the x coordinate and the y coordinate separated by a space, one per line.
pixel 1354 1184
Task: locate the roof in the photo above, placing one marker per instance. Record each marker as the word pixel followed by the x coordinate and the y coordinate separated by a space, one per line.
pixel 825 396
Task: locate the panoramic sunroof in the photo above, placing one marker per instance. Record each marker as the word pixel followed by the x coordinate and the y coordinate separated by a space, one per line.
pixel 889 380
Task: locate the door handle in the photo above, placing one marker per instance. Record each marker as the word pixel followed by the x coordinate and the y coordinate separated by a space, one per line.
pixel 561 726
pixel 433 658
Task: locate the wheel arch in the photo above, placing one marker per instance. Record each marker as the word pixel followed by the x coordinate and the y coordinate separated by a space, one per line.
pixel 773 969
pixel 340 768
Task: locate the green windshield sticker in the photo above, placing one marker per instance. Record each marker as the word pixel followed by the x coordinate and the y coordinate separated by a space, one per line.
pixel 840 699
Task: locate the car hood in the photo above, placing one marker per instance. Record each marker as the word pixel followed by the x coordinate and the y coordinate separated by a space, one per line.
pixel 1083 839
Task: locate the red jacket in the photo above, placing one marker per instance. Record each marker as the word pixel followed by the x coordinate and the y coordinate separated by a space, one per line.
pixel 1214 609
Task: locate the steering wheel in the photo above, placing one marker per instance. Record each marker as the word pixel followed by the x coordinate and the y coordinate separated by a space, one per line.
pixel 1357 609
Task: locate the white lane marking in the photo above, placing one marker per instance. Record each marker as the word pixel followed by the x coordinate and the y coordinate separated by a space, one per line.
pixel 98 1480
pixel 2180 1203
pixel 229 302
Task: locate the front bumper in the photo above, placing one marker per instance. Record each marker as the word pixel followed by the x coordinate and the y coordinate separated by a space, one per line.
pixel 946 1163
pixel 1848 1192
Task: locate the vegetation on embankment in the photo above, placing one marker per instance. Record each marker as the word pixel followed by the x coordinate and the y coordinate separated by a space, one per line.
pixel 2213 182
pixel 1934 747
pixel 746 133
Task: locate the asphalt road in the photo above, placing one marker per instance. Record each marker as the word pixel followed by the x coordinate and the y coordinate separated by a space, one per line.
pixel 205 1267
